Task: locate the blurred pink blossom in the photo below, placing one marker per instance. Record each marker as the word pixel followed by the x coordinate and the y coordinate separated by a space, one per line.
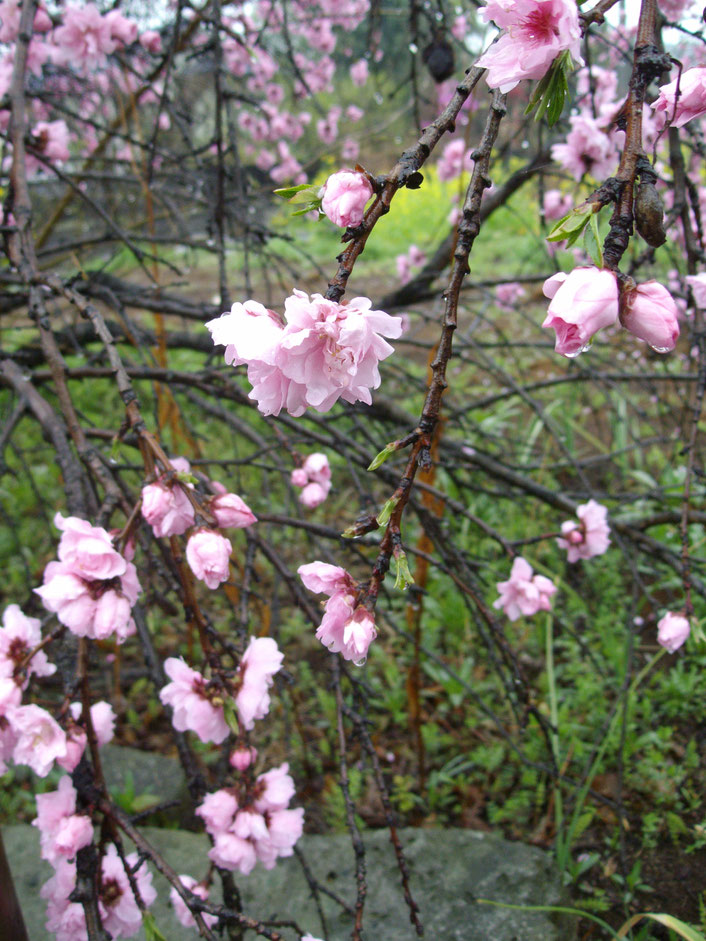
pixel 261 660
pixel 62 831
pixel 344 197
pixel 524 593
pixel 40 740
pixel 589 537
pixel 359 72
pixel 181 909
pixel 672 631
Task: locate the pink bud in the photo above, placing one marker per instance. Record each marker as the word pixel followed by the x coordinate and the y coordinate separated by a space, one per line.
pixel 208 555
pixel 345 196
pixel 649 312
pixel 242 758
pixel 299 477
pixel 672 631
pixel 230 510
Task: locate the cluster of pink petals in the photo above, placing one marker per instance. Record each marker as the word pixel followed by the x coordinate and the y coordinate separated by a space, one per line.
pixel 691 102
pixel 181 909
pixel 63 832
pixel 208 555
pixel 192 699
pixel 165 504
pixel 18 636
pixel 260 830
pixel 120 914
pixel 261 660
pixel 508 294
pixel 524 593
pixel 587 149
pixel 536 32
pixel 588 299
pixel 103 722
pixel 37 740
pixel 590 536
pixel 324 351
pixel 455 158
pixel 414 258
pixel 314 477
pixel 672 631
pixel 344 196
pixel 345 628
pixel 92 588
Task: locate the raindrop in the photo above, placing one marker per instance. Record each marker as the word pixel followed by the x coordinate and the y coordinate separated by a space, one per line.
pixel 378 98
pixel 361 662
pixel 661 349
pixel 413 48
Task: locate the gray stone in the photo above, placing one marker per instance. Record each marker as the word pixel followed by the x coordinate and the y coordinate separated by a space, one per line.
pixel 131 771
pixel 449 871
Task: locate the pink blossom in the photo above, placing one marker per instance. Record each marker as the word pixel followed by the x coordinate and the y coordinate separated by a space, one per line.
pixel 208 555
pixel 345 628
pixel 18 636
pixel 299 477
pixel 509 293
pixel 102 718
pixel 459 27
pixel 524 594
pixel 672 631
pixel 537 31
pixel 51 139
pixel 122 29
pixel 344 197
pixel 325 352
pixel 359 72
pixel 650 313
pixel 261 660
pixel 452 160
pixel 242 758
pixel 313 495
pixel 354 113
pixel 588 149
pixel 692 98
pixel 697 283
pixel 315 478
pixel 151 40
pixel 167 508
pixel 582 302
pixel 589 537
pixel 63 831
pixel 556 205
pixel 120 913
pixel 182 911
pixel 231 511
pixel 88 550
pixel 274 789
pixel 40 740
pixel 85 38
pixel 192 700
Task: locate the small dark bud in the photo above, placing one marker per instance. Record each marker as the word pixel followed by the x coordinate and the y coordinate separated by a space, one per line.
pixel 649 215
pixel 438 57
pixel 414 180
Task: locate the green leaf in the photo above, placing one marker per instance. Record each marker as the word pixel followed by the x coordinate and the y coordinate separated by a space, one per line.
pixel 231 716
pixel 287 192
pixel 669 921
pixel 403 576
pixel 592 241
pixel 386 512
pixel 551 91
pixel 571 225
pixel 152 932
pixel 383 455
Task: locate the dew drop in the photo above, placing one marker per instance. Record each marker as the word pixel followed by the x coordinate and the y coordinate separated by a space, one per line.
pixel 661 349
pixel 413 48
pixel 361 662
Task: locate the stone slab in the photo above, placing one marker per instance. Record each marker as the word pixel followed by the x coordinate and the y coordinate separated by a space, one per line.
pixel 449 869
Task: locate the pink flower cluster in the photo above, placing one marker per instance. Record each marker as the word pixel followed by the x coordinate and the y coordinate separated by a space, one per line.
pixel 324 351
pixel 19 635
pixel 199 704
pixel 536 32
pixel 120 914
pixel 181 909
pixel 344 196
pixel 255 828
pixel 524 593
pixel 345 628
pixel 314 477
pixel 414 258
pixel 169 511
pixel 588 299
pixel 92 588
pixel 590 536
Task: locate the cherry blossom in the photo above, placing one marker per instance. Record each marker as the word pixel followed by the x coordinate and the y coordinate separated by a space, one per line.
pixel 650 313
pixel 39 739
pixel 167 508
pixel 346 627
pixel 62 831
pixel 314 477
pixel 536 32
pixel 261 660
pixel 324 352
pixel 181 909
pixel 691 102
pixel 344 196
pixel 197 706
pixel 231 511
pixel 581 303
pixel 524 593
pixel 208 555
pixel 672 631
pixel 18 636
pixel 589 537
